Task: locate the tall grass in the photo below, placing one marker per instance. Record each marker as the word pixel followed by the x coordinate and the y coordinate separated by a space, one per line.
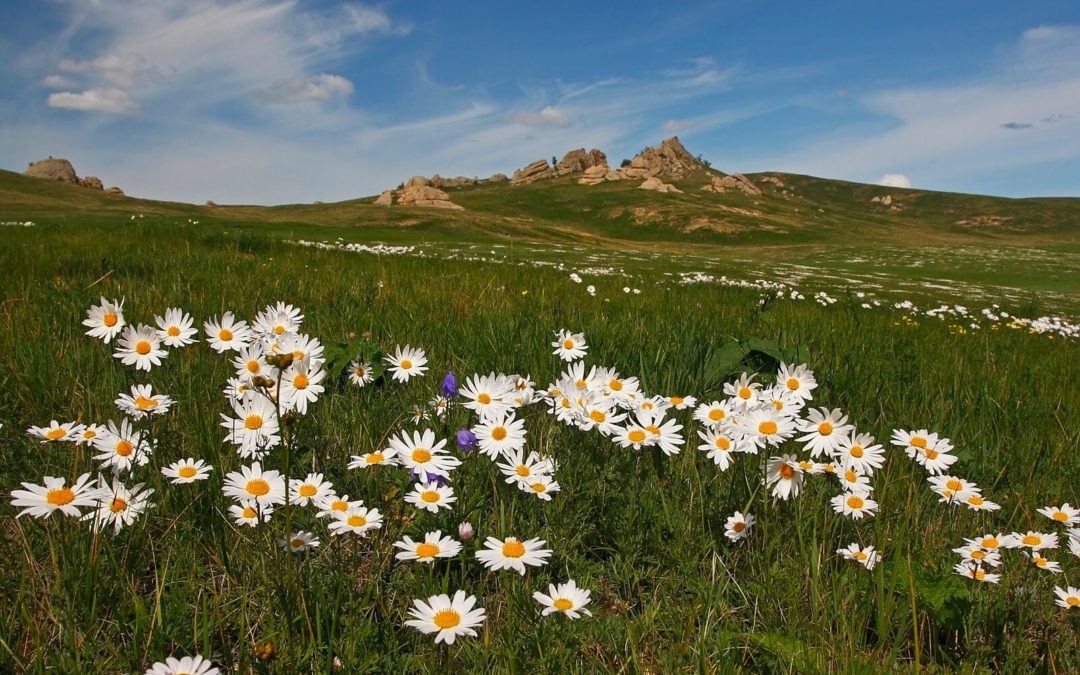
pixel 644 532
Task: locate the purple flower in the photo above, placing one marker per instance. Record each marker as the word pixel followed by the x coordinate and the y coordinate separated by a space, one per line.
pixel 465 532
pixel 421 476
pixel 449 386
pixel 466 440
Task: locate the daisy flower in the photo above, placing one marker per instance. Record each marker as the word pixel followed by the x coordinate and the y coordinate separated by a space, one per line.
pixel 255 427
pixel 431 496
pixel 1045 564
pixel 653 404
pixel 500 434
pixel 714 414
pixel 633 436
pixel 227 334
pixel 565 598
pixel 54 432
pixel 1064 514
pixel 42 501
pixel 952 488
pixel 853 481
pixel 419 452
pixel 517 468
pixel 979 555
pixel 825 430
pixel 936 459
pixel 299 542
pixel 248 512
pixel 117 505
pixel 510 553
pixel 1074 546
pixel 143 402
pixel 743 392
pixel 622 389
pixel 176 328
pixel 681 402
pixel 105 320
pixel 1036 541
pixel 738 525
pixel 251 482
pixel 784 475
pixel 277 321
pixel 854 505
pixel 663 433
pixel 797 381
pixel 187 470
pixel 85 434
pixel 569 346
pixel 140 346
pixel 449 619
pixel 859 452
pixel 188 665
pixel 781 402
pixel 300 386
pixel 597 413
pixel 867 557
pixel 250 361
pixel 309 490
pixel 121 447
pixel 541 486
pixel 358 520
pixel 765 427
pixel 977 502
pixel 1069 597
pixel 360 373
pixel 434 545
pixel 334 506
pixel 406 363
pixel 387 456
pixel 487 395
pixel 976 572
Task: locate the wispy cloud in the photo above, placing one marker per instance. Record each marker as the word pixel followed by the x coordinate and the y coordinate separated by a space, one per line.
pixel 321 87
pixel 548 116
pixel 112 101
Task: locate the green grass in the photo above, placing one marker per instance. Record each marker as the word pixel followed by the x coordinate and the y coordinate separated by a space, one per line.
pixel 644 532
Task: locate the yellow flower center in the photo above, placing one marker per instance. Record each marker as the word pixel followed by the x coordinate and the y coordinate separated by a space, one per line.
pixel 653 429
pixel 615 385
pixel 253 422
pixel 723 443
pixel 1060 516
pixel 855 502
pixel 568 344
pixel 56 434
pixel 357 521
pixel 979 574
pixel 279 330
pixel 825 428
pixel 249 512
pixel 918 442
pixel 427 550
pixel 225 335
pixel 446 619
pixel 360 372
pixel 405 364
pixel 738 527
pixel 60 496
pixel 297 543
pixel 173 331
pixel 186 471
pixel 420 455
pixel 989 542
pixel 143 403
pixel 339 505
pixel 954 485
pixel 1031 540
pixel 253 366
pixel 851 477
pixel 563 604
pixel 375 458
pixel 787 471
pixel 636 436
pixel 484 399
pixel 716 414
pixel 978 555
pixel 522 470
pixel 142 347
pixel 745 393
pixel 109 319
pixel 676 400
pixel 300 381
pixel 118 505
pixel 307 490
pixel 124 448
pixel 513 549
pixel 856 451
pixel 597 416
pixel 430 496
pixel 89 433
pixel 792 383
pixel 1072 601
pixel 767 428
pixel 539 487
pixel 498 433
pixel 258 487
pixel 930 454
pixel 975 500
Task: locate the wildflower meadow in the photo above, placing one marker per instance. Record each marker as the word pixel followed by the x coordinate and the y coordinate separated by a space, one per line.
pixel 228 453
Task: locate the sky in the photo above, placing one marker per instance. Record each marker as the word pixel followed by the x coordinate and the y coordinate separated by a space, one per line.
pixel 285 101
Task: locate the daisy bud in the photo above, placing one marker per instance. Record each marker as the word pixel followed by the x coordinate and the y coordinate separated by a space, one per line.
pixel 338 665
pixel 259 381
pixel 284 361
pixel 465 532
pixel 466 440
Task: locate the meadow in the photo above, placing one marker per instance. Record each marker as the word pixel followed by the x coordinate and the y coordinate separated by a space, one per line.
pixel 642 530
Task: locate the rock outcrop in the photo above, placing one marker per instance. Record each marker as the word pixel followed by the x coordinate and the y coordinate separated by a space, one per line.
pixel 92 182
pixel 654 183
pixel 532 171
pixel 595 175
pixel 886 200
pixel 496 178
pixel 53 169
pixel 735 181
pixel 417 191
pixel 669 159
pixel 578 161
pixel 114 191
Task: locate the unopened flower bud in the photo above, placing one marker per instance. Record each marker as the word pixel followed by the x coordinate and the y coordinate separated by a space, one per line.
pixel 465 532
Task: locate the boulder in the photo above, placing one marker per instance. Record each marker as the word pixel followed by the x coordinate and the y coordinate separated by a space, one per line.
pixel 595 175
pixel 386 198
pixel 424 195
pixel 574 161
pixel 735 181
pixel 496 178
pixel 669 158
pixel 210 204
pixel 457 181
pixel 612 174
pixel 53 169
pixel 417 181
pixel 92 182
pixel 114 191
pixel 597 158
pixel 532 172
pixel 654 183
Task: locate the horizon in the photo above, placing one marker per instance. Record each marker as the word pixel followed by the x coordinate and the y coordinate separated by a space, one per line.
pixel 271 102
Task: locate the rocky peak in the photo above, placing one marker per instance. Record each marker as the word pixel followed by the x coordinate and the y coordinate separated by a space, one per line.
pixel 670 158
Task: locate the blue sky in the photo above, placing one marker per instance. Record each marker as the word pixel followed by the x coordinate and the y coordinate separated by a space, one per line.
pixel 275 101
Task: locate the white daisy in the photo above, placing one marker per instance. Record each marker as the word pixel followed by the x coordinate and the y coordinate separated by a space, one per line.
pixel 434 545
pixel 249 512
pixel 406 363
pixel 569 346
pixel 227 334
pixel 738 525
pixel 55 495
pixel 360 373
pixel 449 619
pixel 251 482
pixel 510 553
pixel 824 431
pixel 358 520
pixel 500 434
pixel 566 598
pixel 255 427
pixel 431 496
pixel 117 505
pixel 784 475
pixel 187 470
pixel 310 490
pixel 176 328
pixel 299 542
pixel 419 452
pixel 54 431
pixel 1068 597
pixel 188 665
pixel 867 557
pixel 139 346
pixel 105 320
pixel 1065 514
pixel 797 381
pixel 386 456
pixel 122 447
pixel 854 505
pixel 143 402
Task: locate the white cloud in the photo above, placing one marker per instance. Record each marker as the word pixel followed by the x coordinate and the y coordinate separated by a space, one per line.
pixel 123 71
pixel 114 101
pixel 55 81
pixel 549 116
pixel 897 180
pixel 319 87
pixel 677 126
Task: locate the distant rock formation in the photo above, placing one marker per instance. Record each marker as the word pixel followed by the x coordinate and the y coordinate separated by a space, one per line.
pixel 575 161
pixel 669 159
pixel 61 170
pixel 114 191
pixel 654 183
pixel 532 171
pixel 417 191
pixel 595 174
pixel 735 181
